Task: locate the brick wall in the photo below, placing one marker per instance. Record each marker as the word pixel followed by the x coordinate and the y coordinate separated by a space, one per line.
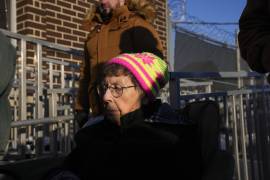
pixel 160 22
pixel 59 21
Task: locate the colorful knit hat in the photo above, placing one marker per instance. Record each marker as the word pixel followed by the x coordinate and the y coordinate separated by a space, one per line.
pixel 150 71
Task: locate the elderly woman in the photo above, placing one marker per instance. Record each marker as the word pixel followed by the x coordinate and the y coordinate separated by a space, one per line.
pixel 130 141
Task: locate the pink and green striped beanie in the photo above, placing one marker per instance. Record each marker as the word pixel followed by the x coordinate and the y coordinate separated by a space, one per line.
pixel 150 71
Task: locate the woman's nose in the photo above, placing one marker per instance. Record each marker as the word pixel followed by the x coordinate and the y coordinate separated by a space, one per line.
pixel 107 95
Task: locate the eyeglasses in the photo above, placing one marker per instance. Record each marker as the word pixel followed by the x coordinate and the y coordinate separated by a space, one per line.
pixel 115 90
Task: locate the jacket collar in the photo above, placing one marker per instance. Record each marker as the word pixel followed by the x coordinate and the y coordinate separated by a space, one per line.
pixel 120 17
pixel 120 11
pixel 156 111
pixel 132 118
pixel 127 120
pixel 160 112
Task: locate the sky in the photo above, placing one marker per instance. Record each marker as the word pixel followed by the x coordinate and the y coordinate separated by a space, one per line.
pixel 217 11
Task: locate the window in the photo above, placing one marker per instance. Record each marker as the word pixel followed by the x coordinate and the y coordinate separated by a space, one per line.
pixel 3 14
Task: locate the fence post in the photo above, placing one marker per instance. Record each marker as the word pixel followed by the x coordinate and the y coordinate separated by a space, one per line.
pixel 39 81
pixel 235 140
pixel 174 89
pixel 243 138
pixel 23 81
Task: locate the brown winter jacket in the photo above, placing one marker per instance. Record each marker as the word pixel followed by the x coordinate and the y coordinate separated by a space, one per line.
pixel 126 32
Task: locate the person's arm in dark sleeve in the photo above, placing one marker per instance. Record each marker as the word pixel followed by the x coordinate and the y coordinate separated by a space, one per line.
pixel 254 35
pixel 144 41
pixel 145 38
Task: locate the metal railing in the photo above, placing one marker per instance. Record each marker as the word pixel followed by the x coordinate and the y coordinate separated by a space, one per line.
pixel 43 93
pixel 245 110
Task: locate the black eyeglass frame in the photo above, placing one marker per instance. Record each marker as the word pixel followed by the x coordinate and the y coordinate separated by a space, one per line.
pixel 115 90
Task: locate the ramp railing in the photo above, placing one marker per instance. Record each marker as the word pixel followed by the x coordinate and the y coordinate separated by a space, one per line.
pixel 42 96
pixel 244 101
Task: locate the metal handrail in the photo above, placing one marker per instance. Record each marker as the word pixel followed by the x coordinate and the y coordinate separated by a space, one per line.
pixel 42 105
pixel 234 105
pixel 42 42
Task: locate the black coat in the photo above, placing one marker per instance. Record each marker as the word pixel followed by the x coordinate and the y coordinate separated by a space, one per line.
pixel 137 149
pixel 254 35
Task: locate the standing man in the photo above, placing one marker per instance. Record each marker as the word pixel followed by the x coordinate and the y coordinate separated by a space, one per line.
pixel 7 70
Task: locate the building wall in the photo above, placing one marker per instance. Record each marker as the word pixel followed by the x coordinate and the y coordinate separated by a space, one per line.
pixel 59 21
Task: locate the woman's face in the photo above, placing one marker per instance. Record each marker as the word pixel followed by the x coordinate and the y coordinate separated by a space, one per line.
pixel 130 100
pixel 111 4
